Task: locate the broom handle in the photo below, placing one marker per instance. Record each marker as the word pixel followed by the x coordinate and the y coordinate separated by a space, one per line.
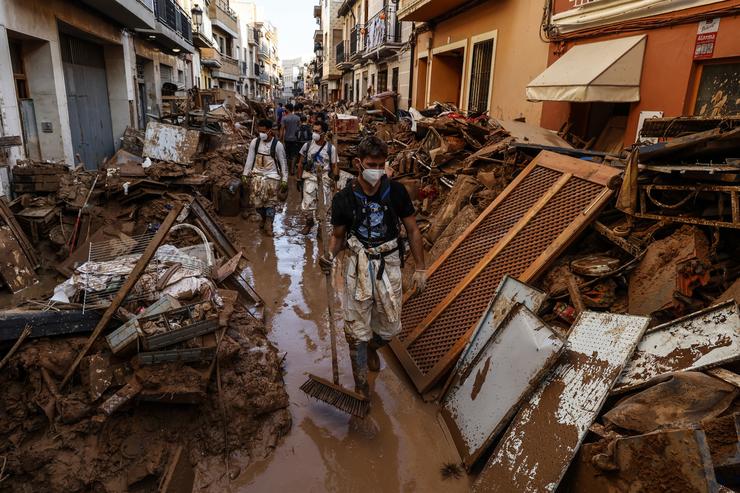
pixel 329 287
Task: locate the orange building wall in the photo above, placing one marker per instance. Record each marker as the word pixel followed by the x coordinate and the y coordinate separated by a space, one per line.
pixel 520 55
pixel 668 67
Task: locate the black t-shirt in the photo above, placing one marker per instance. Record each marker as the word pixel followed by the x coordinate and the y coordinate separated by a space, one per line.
pixel 383 224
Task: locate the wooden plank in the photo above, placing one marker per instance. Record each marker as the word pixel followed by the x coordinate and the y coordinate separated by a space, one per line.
pixel 15 268
pixel 728 376
pixel 546 433
pixel 487 259
pixel 7 215
pixel 46 324
pixel 127 286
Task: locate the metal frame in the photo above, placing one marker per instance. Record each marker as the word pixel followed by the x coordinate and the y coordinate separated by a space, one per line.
pixel 591 178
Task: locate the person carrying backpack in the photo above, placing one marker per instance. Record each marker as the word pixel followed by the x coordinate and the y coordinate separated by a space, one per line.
pixel 367 216
pixel 289 135
pixel 265 174
pixel 317 152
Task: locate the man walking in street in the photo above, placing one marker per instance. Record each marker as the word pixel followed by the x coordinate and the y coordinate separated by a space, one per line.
pixel 265 174
pixel 279 113
pixel 317 152
pixel 367 217
pixel 289 136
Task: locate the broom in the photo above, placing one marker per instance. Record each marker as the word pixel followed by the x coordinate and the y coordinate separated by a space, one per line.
pixel 320 388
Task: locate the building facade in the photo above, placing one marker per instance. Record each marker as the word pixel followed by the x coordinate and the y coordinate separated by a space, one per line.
pixel 478 56
pixel 326 36
pixel 77 74
pixel 374 53
pixel 645 59
pixel 292 78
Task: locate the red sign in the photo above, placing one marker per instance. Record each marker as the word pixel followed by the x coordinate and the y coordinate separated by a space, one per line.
pixel 704 47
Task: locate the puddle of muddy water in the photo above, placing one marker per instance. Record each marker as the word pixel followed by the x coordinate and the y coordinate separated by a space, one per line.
pixel 322 453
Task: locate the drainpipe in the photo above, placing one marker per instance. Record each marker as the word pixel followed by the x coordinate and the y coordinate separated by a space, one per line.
pixel 411 63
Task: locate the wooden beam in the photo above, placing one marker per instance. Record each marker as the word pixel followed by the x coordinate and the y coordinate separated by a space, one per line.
pixel 127 286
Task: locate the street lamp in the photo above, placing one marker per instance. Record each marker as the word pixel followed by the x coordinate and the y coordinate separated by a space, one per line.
pixel 197 14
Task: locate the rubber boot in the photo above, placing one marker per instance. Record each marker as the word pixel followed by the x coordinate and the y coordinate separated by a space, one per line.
pixel 268 226
pixel 308 226
pixel 358 357
pixel 373 359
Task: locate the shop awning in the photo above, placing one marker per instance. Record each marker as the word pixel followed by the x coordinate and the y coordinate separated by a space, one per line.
pixel 605 71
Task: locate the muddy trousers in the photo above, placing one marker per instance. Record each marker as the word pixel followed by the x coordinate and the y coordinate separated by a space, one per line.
pixel 266 212
pixel 358 355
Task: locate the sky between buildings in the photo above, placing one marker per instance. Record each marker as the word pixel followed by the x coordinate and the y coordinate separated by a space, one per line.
pixel 295 23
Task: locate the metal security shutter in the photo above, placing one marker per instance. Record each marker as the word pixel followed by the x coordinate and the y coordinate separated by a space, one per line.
pixel 480 80
pixel 165 73
pixel 87 100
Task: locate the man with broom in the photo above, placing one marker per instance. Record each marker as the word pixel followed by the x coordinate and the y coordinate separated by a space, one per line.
pixel 367 216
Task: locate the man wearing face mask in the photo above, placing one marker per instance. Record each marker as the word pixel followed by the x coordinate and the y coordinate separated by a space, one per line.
pixel 265 174
pixel 316 153
pixel 367 216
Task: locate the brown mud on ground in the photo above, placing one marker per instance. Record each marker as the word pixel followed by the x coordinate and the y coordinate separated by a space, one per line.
pixel 323 452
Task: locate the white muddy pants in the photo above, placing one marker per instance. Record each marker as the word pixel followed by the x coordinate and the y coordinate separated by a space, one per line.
pixel 372 305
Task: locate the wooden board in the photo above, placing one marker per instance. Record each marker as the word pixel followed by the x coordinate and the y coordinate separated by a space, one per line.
pixel 546 433
pixel 528 225
pixel 15 269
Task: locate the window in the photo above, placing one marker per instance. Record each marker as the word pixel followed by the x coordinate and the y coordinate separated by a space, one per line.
pixel 394 80
pixel 383 80
pixel 480 76
pixel 718 91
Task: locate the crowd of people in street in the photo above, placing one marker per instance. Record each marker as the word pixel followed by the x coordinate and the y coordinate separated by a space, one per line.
pixel 367 217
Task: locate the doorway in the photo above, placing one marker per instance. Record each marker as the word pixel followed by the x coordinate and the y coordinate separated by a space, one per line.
pixel 447 75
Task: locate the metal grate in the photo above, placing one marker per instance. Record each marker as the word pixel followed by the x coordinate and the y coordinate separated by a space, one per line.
pixel 427 347
pixel 480 77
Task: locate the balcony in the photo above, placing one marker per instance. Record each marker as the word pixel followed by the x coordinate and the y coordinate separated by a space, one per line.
pixel 200 38
pixel 264 51
pixel 317 11
pixel 229 69
pixel 383 33
pixel 342 55
pixel 210 57
pixel 357 40
pixel 133 14
pixel 253 36
pixel 263 78
pixel 318 36
pixel 223 17
pixel 426 10
pixel 172 28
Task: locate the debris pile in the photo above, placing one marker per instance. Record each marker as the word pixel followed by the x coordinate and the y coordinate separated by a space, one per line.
pixel 149 366
pixel 631 268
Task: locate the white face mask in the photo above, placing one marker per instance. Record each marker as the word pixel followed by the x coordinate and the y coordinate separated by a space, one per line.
pixel 372 176
pixel 263 136
pixel 316 137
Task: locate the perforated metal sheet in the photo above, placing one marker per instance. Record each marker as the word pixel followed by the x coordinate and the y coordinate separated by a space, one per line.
pixel 545 434
pixel 428 348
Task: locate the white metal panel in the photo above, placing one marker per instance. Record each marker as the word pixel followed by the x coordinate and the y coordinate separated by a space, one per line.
pixel 508 368
pixel 170 143
pixel 508 293
pixel 546 433
pixel 707 338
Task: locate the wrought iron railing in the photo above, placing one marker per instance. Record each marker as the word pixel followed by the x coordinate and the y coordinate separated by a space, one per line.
pixel 354 40
pixel 341 52
pixel 169 13
pixel 383 28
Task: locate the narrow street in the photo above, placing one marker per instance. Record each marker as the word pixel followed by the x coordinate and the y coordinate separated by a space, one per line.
pixel 322 452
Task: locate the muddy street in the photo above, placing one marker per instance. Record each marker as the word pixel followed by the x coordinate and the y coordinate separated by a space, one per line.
pixel 323 452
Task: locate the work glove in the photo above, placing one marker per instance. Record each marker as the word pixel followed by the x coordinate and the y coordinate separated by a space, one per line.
pixel 299 185
pixel 282 194
pixel 419 281
pixel 326 262
pixel 283 186
pixel 245 180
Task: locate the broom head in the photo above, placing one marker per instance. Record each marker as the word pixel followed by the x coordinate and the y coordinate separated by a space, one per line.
pixel 335 395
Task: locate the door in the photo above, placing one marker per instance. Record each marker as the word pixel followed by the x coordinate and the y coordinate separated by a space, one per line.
pixel 30 130
pixel 87 100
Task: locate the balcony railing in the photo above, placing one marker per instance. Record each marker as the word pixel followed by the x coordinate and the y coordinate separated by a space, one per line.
pixel 223 5
pixel 354 40
pixel 169 13
pixel 229 65
pixel 265 50
pixel 382 29
pixel 244 67
pixel 264 78
pixel 340 53
pixel 257 69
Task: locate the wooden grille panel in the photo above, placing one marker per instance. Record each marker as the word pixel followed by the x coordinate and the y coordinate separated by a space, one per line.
pixel 526 227
pixel 514 259
pixel 493 227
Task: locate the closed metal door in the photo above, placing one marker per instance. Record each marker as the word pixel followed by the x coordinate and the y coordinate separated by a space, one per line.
pixel 87 100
